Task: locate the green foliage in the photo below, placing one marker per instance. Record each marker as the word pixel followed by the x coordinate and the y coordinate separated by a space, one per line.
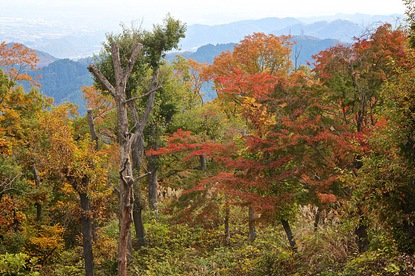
pixel 18 264
pixel 380 262
pixel 162 39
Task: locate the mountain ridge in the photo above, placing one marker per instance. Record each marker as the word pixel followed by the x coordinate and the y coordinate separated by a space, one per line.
pixel 63 42
pixel 340 28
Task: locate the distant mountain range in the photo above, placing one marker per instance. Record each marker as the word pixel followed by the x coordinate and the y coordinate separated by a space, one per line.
pixel 304 47
pixel 342 27
pixel 63 78
pixel 64 42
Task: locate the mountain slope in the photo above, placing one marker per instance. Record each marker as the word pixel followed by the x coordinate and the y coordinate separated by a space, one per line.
pixel 63 80
pixel 44 59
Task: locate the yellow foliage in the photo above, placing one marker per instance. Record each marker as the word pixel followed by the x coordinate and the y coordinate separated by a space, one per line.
pixel 260 119
pixel 45 242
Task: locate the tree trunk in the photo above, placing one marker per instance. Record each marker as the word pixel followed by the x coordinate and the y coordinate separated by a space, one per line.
pixel 153 187
pixel 227 216
pixel 362 236
pixel 203 164
pixel 153 169
pixel 137 155
pixel 317 219
pixel 37 204
pixel 94 137
pixel 126 206
pixel 92 131
pixel 139 224
pixel 289 234
pixel 251 222
pixel 86 225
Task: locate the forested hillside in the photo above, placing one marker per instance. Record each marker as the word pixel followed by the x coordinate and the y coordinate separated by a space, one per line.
pixel 63 80
pixel 291 170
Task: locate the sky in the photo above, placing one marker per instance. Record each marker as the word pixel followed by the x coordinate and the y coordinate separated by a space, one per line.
pixel 109 13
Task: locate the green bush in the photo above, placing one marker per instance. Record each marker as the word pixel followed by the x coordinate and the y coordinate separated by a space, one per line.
pixel 18 264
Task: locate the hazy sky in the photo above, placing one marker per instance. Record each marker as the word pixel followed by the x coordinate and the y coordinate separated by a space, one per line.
pixel 112 12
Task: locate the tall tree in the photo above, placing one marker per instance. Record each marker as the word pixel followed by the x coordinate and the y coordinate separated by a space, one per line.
pixel 354 76
pixel 385 186
pixel 151 46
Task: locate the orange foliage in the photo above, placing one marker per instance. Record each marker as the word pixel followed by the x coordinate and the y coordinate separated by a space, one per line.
pixel 251 70
pixel 101 103
pixel 17 59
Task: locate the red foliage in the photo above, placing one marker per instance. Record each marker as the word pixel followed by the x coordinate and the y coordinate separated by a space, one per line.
pixel 327 198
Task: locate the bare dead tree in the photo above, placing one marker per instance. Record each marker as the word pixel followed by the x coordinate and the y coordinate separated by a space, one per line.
pixel 126 140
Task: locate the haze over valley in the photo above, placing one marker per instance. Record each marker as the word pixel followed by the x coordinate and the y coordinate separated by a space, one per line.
pixel 74 41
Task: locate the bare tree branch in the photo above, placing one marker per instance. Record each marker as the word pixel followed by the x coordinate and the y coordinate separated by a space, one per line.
pixel 150 102
pixel 97 73
pixel 119 72
pixel 134 56
pixel 144 95
pixel 7 186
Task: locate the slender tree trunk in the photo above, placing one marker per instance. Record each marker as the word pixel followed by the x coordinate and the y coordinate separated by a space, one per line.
pixel 227 216
pixel 289 234
pixel 37 204
pixel 317 219
pixel 86 226
pixel 138 152
pixel 362 236
pixel 361 230
pixel 202 159
pixel 92 131
pixel 251 222
pixel 153 169
pixel 153 187
pixel 94 137
pixel 139 223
